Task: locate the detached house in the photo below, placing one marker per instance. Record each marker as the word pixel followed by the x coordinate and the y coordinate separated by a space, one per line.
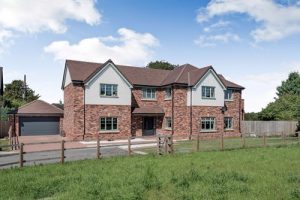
pixel 119 101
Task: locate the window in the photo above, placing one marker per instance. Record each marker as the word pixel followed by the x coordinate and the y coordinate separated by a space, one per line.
pixel 108 124
pixel 168 123
pixel 207 123
pixel 208 92
pixel 149 93
pixel 228 94
pixel 228 123
pixel 168 94
pixel 108 90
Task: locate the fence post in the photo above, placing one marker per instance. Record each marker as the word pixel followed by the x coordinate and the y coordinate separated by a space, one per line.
pixel 21 154
pixel 264 139
pixel 222 141
pixel 129 146
pixel 98 147
pixel 198 142
pixel 244 140
pixel 62 160
pixel 166 144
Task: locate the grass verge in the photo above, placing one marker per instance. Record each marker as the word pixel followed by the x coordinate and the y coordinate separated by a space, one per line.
pixel 262 173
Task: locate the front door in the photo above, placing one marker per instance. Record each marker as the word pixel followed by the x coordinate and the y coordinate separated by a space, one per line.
pixel 148 126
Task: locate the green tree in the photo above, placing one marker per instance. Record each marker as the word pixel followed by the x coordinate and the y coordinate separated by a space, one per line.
pixel 283 108
pixel 13 94
pixel 291 86
pixel 252 116
pixel 161 65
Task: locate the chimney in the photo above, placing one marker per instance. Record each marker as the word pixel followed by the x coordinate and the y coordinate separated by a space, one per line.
pixel 1 81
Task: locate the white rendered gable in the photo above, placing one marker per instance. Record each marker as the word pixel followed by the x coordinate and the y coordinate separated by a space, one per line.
pixel 209 79
pixel 67 78
pixel 108 75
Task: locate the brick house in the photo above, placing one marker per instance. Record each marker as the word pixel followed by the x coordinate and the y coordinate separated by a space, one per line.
pixel 117 101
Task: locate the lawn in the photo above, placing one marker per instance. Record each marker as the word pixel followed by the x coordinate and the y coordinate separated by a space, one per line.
pixel 256 173
pixel 4 141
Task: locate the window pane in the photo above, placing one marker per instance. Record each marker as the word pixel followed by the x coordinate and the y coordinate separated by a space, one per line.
pixel 115 123
pixel 144 93
pixel 108 123
pixel 108 90
pixel 115 90
pixel 102 124
pixel 102 89
pixel 212 92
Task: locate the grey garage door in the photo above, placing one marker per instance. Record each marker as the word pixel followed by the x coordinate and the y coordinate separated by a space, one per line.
pixel 39 126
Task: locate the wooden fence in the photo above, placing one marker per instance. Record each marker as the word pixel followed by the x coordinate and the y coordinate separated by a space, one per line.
pixel 270 128
pixel 4 127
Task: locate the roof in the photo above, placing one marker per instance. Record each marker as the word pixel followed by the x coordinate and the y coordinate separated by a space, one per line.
pixel 154 110
pixel 185 74
pixel 39 107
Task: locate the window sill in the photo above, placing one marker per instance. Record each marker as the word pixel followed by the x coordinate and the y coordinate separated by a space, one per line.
pixel 229 129
pixel 207 98
pixel 149 99
pixel 208 131
pixel 230 100
pixel 112 131
pixel 168 129
pixel 168 99
pixel 101 96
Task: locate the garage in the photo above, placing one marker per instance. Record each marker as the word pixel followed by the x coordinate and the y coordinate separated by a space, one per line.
pixel 37 118
pixel 39 126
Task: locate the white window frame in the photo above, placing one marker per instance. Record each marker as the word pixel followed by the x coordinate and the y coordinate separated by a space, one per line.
pixel 212 124
pixel 168 93
pixel 148 93
pixel 113 88
pixel 168 121
pixel 230 121
pixel 208 92
pixel 112 120
pixel 228 93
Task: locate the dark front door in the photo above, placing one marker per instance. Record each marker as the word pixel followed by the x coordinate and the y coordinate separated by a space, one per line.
pixel 39 126
pixel 148 126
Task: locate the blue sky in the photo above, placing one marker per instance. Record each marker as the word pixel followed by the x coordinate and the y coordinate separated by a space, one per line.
pixel 253 43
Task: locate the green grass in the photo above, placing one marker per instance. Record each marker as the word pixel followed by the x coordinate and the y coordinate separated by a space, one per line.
pixel 255 173
pixel 229 143
pixel 4 141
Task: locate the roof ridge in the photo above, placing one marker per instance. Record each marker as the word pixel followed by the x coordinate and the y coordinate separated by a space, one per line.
pixel 181 72
pixel 27 104
pixel 52 105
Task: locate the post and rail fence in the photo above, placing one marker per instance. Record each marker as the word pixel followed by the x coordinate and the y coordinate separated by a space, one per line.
pixel 165 144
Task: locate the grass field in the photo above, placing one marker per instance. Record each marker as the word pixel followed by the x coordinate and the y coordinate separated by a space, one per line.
pixel 4 141
pixel 256 173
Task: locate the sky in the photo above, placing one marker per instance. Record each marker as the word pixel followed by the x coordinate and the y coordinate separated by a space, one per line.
pixel 253 43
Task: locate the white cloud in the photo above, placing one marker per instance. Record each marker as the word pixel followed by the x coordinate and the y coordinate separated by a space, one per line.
pixel 212 40
pixel 276 21
pixel 34 16
pixel 131 48
pixel 218 25
pixel 42 15
pixel 261 88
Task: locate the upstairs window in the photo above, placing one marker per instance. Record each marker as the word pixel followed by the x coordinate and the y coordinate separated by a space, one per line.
pixel 208 92
pixel 168 123
pixel 108 124
pixel 168 93
pixel 208 124
pixel 228 94
pixel 149 93
pixel 228 123
pixel 108 90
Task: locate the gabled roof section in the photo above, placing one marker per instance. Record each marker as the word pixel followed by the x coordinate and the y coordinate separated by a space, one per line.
pixel 81 71
pixel 39 107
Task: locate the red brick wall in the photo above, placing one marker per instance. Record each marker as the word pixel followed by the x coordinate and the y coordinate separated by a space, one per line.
pixel 95 112
pixel 73 124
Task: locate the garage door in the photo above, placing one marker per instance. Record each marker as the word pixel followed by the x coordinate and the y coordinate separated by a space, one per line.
pixel 39 126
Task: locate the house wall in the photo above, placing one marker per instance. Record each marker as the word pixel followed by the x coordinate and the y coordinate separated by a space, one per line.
pixel 67 77
pixel 109 75
pixel 209 80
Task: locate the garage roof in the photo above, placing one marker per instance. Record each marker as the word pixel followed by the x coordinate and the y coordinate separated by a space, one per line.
pixel 38 108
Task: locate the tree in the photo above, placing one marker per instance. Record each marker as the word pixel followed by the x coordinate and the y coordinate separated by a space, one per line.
pixel 252 116
pixel 13 94
pixel 291 86
pixel 161 65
